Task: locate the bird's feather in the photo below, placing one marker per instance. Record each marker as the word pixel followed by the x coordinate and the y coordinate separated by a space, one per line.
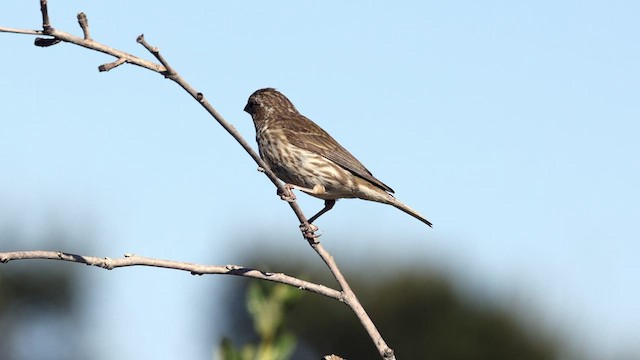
pixel 307 135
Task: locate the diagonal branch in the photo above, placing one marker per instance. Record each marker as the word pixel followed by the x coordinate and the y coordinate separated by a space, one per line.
pixel 348 296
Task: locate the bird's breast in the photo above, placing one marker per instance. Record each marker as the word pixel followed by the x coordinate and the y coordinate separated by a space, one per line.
pixel 304 168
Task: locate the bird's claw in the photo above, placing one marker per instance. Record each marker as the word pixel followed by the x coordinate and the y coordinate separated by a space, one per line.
pixel 309 231
pixel 308 228
pixel 287 194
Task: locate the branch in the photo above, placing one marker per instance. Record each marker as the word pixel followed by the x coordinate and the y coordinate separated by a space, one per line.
pixel 21 31
pixel 194 269
pixel 165 69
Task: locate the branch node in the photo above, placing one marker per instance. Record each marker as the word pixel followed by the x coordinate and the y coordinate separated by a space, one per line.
pixel 84 25
pixel 388 354
pixel 107 263
pixel 199 97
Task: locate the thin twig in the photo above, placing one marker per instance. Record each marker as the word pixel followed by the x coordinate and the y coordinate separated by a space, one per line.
pixel 84 25
pixel 194 269
pixel 348 296
pixel 111 65
pixel 46 25
pixel 156 52
pixel 21 31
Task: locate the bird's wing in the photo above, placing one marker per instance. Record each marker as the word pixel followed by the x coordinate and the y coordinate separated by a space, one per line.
pixel 307 135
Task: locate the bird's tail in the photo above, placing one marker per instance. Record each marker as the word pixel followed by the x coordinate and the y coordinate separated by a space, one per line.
pixel 368 191
pixel 400 205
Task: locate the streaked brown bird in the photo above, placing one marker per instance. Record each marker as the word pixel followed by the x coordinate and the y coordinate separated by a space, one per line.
pixel 307 158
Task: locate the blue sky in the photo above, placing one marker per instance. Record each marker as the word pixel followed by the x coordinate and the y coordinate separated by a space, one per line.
pixel 513 126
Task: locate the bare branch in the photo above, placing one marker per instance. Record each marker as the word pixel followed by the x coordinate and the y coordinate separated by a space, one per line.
pixel 194 269
pixel 21 31
pixel 352 301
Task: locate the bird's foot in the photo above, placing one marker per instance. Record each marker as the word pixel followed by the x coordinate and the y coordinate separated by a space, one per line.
pixel 287 194
pixel 309 231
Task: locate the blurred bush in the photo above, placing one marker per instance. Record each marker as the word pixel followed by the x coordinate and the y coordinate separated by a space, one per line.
pixel 418 313
pixel 40 316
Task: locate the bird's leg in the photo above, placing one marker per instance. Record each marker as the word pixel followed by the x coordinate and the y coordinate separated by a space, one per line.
pixel 289 196
pixel 328 205
pixel 309 231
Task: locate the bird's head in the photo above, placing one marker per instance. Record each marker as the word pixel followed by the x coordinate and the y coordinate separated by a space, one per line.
pixel 267 102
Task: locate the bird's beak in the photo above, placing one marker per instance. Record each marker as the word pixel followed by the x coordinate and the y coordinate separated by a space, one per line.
pixel 247 108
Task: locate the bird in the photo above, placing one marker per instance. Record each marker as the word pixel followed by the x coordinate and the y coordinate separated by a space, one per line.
pixel 305 157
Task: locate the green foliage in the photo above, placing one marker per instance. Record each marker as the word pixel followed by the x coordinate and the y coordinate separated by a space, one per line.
pixel 267 303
